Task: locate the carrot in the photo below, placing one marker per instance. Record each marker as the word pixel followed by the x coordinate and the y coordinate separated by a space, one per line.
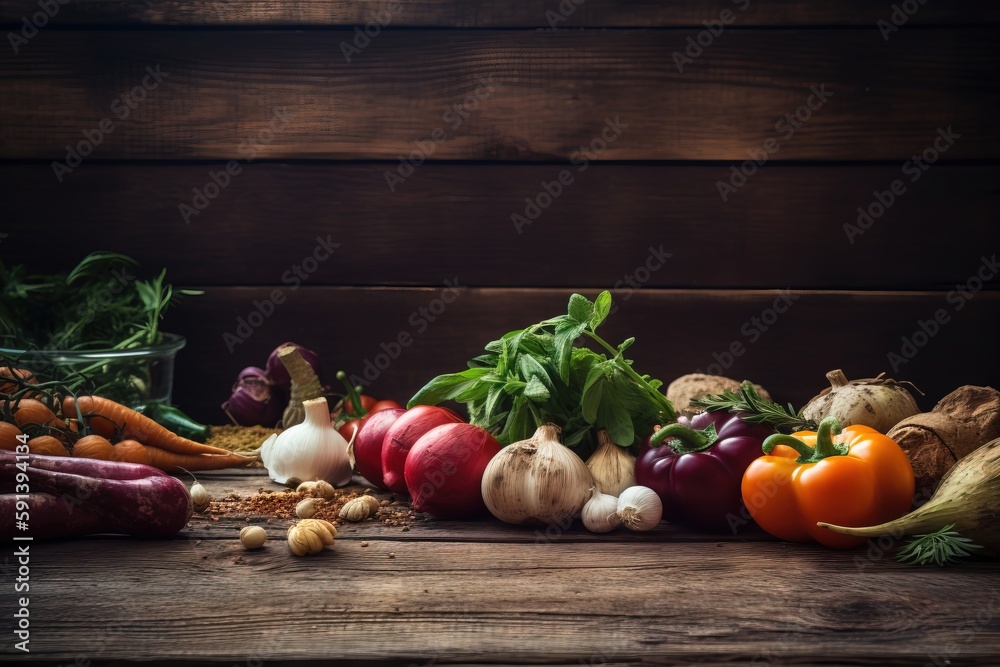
pixel 93 447
pixel 47 445
pixel 8 436
pixel 131 451
pixel 31 411
pixel 13 378
pixel 105 415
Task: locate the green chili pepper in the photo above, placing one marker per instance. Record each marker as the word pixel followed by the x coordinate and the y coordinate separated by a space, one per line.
pixel 175 420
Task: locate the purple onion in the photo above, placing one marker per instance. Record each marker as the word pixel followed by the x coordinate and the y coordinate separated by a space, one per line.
pixel 279 374
pixel 254 401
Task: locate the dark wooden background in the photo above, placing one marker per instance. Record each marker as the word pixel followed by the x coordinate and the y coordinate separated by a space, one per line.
pixel 232 65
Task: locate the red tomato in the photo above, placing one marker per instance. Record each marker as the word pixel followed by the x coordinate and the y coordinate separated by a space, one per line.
pixel 347 430
pixel 383 405
pixel 367 402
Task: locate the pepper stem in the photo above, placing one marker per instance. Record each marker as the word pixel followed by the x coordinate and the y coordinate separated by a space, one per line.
pixel 690 440
pixel 354 401
pixel 825 446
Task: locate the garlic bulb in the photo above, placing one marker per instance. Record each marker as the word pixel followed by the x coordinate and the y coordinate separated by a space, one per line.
pixel 600 514
pixel 309 536
pixel 878 402
pixel 639 508
pixel 312 450
pixel 537 481
pixel 253 537
pixel 612 466
pixel 200 498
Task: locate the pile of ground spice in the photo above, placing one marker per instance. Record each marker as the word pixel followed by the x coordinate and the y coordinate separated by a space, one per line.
pixel 242 439
pixel 267 504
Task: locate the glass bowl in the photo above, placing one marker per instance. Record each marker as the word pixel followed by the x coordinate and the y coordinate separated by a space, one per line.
pixel 132 377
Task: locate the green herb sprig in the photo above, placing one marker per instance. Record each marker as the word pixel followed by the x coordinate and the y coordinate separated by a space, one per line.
pixel 99 304
pixel 536 375
pixel 757 410
pixel 942 547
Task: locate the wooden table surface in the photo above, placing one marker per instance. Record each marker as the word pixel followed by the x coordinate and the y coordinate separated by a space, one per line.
pixel 486 593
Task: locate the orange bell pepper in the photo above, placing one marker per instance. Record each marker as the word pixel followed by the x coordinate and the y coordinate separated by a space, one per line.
pixel 857 477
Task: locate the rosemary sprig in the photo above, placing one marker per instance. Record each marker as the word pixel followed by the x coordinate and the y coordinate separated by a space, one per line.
pixel 757 410
pixel 942 547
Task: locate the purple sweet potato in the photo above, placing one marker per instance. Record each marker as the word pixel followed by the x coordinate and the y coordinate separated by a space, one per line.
pixel 69 497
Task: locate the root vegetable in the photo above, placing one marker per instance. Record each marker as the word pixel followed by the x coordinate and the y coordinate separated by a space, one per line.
pixel 957 425
pixel 878 402
pixel 968 497
pixel 33 411
pixel 403 434
pixel 93 447
pixel 8 436
pixel 107 418
pixel 132 451
pixel 687 388
pixel 444 470
pixel 81 496
pixel 47 445
pixel 14 379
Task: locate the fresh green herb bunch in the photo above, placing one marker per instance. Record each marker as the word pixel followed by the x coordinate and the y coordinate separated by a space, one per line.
pixel 756 410
pixel 536 375
pixel 97 305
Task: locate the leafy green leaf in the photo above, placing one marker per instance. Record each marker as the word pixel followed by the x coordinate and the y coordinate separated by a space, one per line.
pixel 446 387
pixel 530 367
pixel 484 361
pixel 602 308
pixel 566 335
pixel 536 391
pixel 580 309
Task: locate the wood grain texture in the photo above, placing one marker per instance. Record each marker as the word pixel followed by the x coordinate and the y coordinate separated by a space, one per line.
pixel 468 14
pixel 553 93
pixel 677 332
pixel 784 228
pixel 410 602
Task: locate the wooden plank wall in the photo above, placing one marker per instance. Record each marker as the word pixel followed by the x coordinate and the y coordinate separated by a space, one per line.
pixel 765 274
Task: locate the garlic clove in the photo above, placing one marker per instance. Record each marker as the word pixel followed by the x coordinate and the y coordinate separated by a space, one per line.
pixel 200 498
pixel 253 537
pixel 600 514
pixel 306 509
pixel 266 448
pixel 639 508
pixel 358 509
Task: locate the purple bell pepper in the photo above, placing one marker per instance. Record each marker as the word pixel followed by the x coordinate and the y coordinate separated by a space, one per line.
pixel 698 470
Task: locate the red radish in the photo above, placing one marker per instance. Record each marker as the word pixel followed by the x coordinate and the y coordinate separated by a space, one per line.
pixel 368 444
pixel 444 470
pixel 90 496
pixel 403 434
